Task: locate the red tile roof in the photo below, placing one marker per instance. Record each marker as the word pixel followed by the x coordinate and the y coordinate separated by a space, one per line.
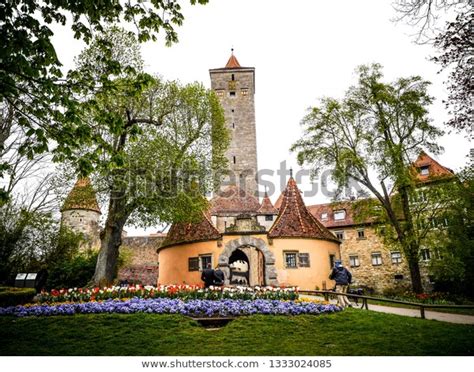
pixel 187 232
pixel 319 209
pixel 82 196
pixel 234 200
pixel 267 206
pixel 435 169
pixel 232 62
pixel 294 219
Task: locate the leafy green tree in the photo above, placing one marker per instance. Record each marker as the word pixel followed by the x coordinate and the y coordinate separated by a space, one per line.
pixel 372 136
pixel 156 146
pixel 451 268
pixel 31 80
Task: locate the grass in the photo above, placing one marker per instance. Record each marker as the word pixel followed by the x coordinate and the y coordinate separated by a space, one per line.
pixel 352 332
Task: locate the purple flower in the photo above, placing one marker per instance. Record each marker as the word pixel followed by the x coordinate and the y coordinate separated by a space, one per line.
pixel 208 308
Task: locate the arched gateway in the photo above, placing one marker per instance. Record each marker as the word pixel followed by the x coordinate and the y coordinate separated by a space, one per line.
pixel 266 266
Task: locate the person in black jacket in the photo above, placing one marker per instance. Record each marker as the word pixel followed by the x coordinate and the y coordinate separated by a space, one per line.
pixel 343 278
pixel 219 277
pixel 207 276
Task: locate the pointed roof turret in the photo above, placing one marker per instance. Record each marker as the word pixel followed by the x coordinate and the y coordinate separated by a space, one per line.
pixel 82 196
pixel 188 232
pixel 294 219
pixel 267 206
pixel 232 62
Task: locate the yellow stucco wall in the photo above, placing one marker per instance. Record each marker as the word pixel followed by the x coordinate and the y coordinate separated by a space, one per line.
pixel 173 261
pixel 305 277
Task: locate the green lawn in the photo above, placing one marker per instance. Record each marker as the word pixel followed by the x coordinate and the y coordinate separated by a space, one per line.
pixel 352 332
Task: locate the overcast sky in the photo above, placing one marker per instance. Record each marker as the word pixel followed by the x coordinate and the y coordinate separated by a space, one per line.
pixel 302 50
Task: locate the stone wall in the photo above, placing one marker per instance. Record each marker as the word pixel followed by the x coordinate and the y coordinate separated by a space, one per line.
pixel 235 89
pixel 377 277
pixel 141 260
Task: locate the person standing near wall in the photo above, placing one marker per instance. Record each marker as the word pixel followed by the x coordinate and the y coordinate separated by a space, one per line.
pixel 219 277
pixel 343 278
pixel 207 276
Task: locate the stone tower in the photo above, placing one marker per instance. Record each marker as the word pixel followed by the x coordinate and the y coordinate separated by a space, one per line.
pixel 81 212
pixel 235 87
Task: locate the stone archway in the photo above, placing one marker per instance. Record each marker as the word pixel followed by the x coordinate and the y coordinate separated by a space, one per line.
pixel 269 258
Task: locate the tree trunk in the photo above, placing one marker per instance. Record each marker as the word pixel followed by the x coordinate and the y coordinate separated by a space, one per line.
pixel 410 244
pixel 111 240
pixel 415 275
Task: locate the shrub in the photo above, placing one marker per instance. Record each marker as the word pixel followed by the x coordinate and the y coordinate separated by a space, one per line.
pixel 11 296
pixel 75 272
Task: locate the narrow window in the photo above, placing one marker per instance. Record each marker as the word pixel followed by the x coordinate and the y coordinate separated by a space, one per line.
pixel 233 77
pixel 361 234
pixel 396 257
pixel 290 260
pixel 332 258
pixel 303 260
pixel 354 261
pixel 233 125
pixel 232 94
pixel 234 159
pixel 425 255
pixel 339 234
pixel 193 264
pixel 205 260
pixel 425 170
pixel 398 277
pixel 376 259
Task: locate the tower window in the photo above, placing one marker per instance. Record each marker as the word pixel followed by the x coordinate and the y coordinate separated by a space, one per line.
pixel 234 159
pixel 233 110
pixel 233 77
pixel 232 94
pixel 233 125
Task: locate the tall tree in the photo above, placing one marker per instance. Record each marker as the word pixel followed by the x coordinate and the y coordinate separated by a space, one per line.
pixel 451 267
pixel 31 80
pixel 372 137
pixel 156 145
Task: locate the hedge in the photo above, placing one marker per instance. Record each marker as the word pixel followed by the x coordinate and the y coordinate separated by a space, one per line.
pixel 11 296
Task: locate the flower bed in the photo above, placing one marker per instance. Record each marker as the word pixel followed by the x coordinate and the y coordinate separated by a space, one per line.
pixel 193 308
pixel 185 292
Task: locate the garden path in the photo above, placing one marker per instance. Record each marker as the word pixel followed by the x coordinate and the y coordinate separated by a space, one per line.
pixel 415 313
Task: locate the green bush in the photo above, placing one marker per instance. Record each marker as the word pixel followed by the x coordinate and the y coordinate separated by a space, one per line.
pixel 75 272
pixel 11 296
